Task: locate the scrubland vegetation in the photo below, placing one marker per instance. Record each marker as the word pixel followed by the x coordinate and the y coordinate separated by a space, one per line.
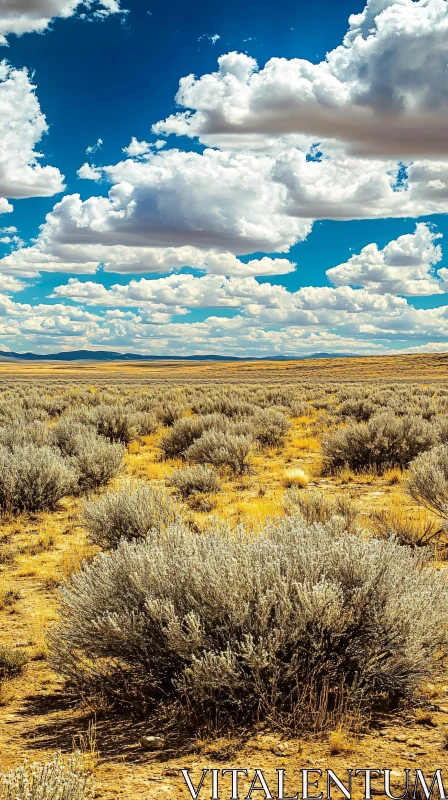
pixel 222 557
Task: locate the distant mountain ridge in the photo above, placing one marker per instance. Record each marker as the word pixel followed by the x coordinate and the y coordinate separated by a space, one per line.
pixel 111 355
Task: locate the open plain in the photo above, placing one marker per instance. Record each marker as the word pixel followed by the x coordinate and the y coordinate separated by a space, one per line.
pixel 348 446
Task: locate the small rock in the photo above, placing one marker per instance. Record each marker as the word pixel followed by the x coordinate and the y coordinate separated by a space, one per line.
pixel 400 737
pixel 171 773
pixel 281 750
pixel 443 709
pixel 152 742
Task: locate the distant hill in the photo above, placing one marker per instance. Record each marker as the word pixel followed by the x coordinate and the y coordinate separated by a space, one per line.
pixel 111 355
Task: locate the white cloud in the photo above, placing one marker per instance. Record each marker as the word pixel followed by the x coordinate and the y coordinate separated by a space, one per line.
pixel 355 188
pixel 22 125
pixel 404 266
pixel 10 284
pixel 171 210
pixel 381 92
pixel 48 256
pixel 93 148
pixel 136 148
pixel 89 172
pixel 35 16
pixel 210 37
pixel 164 211
pixel 5 207
pixel 261 303
pixel 312 319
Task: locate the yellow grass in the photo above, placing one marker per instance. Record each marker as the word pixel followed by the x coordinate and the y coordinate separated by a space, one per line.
pixel 295 477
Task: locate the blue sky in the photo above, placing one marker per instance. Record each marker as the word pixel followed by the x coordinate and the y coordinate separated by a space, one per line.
pixel 215 231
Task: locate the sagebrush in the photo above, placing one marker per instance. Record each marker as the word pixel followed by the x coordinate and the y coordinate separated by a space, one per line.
pixel 240 626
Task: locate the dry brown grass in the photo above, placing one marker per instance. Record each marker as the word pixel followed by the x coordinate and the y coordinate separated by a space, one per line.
pixel 423 367
pixel 339 742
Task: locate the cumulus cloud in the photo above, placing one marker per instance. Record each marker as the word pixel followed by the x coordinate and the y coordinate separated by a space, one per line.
pixel 164 211
pixel 175 209
pixel 263 303
pixel 136 148
pixel 5 207
pixel 48 256
pixel 10 284
pixel 35 16
pixel 356 188
pixel 381 92
pixel 22 126
pixel 404 266
pixel 267 319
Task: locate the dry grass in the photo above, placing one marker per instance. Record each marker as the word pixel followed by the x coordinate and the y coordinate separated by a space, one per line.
pixel 295 477
pixel 339 742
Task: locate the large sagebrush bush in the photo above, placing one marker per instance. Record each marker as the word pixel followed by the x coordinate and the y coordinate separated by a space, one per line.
pixel 358 408
pixel 130 512
pixel 169 413
pixel 96 460
pixel 222 450
pixel 191 480
pixel 427 480
pixel 385 441
pixel 283 624
pixel 20 433
pixel 184 432
pixel 33 479
pixel 271 427
pixel 118 424
pixel 69 433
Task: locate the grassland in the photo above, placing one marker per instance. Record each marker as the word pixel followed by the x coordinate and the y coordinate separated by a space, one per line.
pixel 432 366
pixel 39 550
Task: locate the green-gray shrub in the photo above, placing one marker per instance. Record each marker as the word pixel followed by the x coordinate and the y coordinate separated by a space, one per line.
pixel 186 431
pixel 222 450
pixel 190 480
pixel 270 427
pixel 385 441
pixel 33 479
pixel 427 480
pixel 96 460
pixel 130 512
pixel 69 433
pixel 245 626
pixel 23 433
pixel 114 422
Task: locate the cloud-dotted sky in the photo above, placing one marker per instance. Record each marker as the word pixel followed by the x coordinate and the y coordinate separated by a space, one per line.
pixel 219 183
